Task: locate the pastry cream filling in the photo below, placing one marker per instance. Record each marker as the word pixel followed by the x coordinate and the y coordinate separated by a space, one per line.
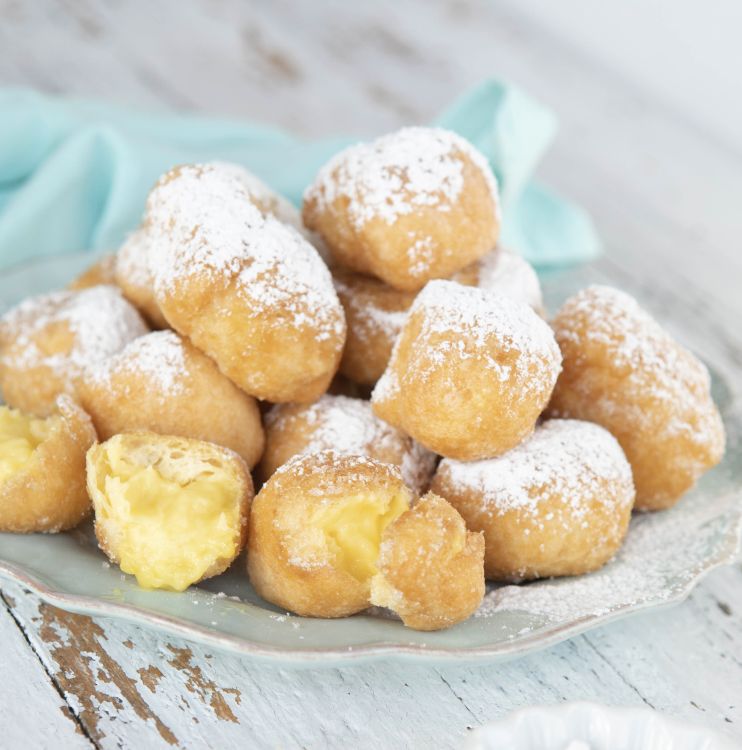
pixel 20 436
pixel 353 528
pixel 168 530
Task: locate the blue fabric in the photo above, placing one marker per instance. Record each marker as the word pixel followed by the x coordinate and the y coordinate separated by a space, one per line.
pixel 74 174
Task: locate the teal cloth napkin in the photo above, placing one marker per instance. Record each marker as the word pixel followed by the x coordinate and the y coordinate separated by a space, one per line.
pixel 74 174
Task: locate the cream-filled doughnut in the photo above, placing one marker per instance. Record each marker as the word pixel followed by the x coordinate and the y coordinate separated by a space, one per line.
pixel 47 342
pixel 470 372
pixel 331 533
pixel 162 383
pixel 557 504
pixel 414 205
pixel 315 531
pixel 626 373
pixel 246 289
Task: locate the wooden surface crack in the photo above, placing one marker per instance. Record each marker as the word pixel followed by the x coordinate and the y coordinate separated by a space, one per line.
pixel 9 603
pixel 459 699
pixel 617 672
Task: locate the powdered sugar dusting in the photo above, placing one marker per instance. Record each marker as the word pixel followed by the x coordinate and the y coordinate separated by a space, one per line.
pixel 652 366
pixel 207 228
pixel 158 356
pixel 503 272
pixel 132 259
pixel 563 457
pixel 461 322
pixel 399 173
pixel 99 320
pixel 266 199
pixel 389 322
pixel 349 426
pixel 371 319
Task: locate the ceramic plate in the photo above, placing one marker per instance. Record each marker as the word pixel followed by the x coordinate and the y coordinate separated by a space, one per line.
pixel 664 556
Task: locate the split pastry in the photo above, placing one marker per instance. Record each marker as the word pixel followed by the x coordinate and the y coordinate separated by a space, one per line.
pixel 329 531
pixel 42 468
pixel 171 511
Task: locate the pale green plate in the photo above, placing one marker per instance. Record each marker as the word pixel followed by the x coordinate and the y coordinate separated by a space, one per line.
pixel 664 556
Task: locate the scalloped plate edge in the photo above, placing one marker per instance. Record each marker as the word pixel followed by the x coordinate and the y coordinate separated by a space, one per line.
pixel 515 648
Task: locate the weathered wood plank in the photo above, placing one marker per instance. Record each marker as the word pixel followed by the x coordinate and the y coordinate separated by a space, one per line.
pixel 134 683
pixel 32 713
pixel 126 682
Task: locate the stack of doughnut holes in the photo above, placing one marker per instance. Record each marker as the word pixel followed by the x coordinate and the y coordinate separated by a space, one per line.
pixel 378 365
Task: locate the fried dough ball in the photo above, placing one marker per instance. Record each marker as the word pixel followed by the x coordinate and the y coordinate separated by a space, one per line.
pixel 345 425
pixel 430 567
pixel 42 469
pixel 315 531
pixel 623 371
pixel 133 261
pixel 469 374
pixel 414 205
pixel 244 288
pixel 162 383
pixel 101 272
pixel 331 533
pixel 133 275
pixel 376 312
pixel 47 342
pixel 558 504
pixel 169 510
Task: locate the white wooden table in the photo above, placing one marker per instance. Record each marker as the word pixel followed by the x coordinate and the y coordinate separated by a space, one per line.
pixel 651 143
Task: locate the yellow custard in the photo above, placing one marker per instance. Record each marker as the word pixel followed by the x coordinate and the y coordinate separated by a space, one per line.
pixel 168 521
pixel 20 435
